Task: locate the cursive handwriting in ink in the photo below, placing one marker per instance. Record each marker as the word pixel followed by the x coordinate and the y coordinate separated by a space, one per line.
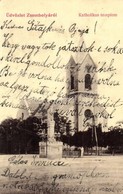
pixel 21 174
pixel 36 162
pixel 37 26
pixel 73 29
pixel 17 160
pixel 9 24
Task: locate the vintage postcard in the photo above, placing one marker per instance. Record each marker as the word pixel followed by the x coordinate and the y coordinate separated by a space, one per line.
pixel 61 102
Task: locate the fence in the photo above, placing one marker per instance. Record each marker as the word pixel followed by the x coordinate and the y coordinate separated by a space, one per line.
pixel 70 153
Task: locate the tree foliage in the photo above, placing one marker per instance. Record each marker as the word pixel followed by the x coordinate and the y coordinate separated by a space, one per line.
pixel 23 136
pixel 19 136
pixel 112 139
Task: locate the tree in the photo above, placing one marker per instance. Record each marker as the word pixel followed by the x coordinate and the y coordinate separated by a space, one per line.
pixel 20 137
pixel 30 134
pixel 115 139
pixel 10 134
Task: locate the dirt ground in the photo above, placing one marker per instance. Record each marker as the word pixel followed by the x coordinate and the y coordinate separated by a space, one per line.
pixel 29 174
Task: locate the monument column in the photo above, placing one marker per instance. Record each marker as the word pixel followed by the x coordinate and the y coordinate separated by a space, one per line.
pixel 53 148
pixel 51 124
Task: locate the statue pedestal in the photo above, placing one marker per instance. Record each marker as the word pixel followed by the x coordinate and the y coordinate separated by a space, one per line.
pixel 54 150
pixel 51 150
pixel 42 150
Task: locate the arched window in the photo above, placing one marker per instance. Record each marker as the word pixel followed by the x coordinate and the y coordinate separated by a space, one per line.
pixel 88 81
pixel 88 68
pixel 88 113
pixel 72 82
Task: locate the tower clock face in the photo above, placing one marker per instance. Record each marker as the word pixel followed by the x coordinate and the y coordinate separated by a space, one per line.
pixel 88 113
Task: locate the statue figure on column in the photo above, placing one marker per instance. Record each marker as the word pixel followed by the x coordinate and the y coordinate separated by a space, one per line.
pixel 51 123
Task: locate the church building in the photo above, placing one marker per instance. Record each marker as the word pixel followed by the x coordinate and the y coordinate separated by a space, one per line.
pixel 82 89
pixel 81 104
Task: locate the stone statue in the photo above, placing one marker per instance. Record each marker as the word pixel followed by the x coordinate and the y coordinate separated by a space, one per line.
pixel 51 123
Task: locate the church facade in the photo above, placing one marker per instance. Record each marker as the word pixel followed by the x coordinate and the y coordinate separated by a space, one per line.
pixel 81 105
pixel 83 91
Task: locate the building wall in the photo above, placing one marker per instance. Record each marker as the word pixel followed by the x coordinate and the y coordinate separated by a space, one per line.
pixel 85 92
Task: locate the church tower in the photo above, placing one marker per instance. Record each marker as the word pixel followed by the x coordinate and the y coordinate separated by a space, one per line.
pixel 81 86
